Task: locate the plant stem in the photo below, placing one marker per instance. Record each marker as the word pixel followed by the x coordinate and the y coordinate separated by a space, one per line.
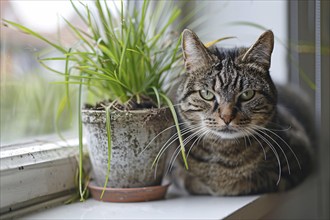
pixel 108 126
pixel 178 130
pixel 81 150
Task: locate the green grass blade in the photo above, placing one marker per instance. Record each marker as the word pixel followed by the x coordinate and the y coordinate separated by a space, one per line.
pixel 209 44
pixel 175 14
pixel 247 23
pixel 103 77
pixel 79 34
pixel 50 69
pixel 93 25
pixel 108 127
pixel 105 21
pixel 109 53
pixel 124 49
pixel 157 96
pixel 78 12
pixel 57 58
pixel 35 34
pixel 109 16
pixel 59 112
pixel 178 130
pixel 67 78
pixel 81 147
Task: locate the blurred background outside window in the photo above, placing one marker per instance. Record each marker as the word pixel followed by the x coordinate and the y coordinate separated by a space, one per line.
pixel 32 100
pixel 29 102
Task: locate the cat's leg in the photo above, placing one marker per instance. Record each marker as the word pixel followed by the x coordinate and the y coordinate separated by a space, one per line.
pixel 195 186
pixel 186 182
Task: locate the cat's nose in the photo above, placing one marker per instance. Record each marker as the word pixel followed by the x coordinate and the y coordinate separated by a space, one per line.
pixel 227 118
pixel 227 113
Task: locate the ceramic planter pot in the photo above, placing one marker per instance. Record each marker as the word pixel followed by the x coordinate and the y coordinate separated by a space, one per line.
pixel 132 131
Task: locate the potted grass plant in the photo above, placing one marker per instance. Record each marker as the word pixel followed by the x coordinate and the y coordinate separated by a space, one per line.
pixel 120 65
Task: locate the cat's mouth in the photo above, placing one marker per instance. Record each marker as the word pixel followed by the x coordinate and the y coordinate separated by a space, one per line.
pixel 228 133
pixel 228 130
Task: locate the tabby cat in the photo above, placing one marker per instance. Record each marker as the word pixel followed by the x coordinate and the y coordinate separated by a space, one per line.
pixel 239 137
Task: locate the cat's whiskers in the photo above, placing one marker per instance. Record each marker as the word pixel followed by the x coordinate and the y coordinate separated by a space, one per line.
pixel 200 136
pixel 279 137
pixel 185 142
pixel 237 140
pixel 177 104
pixel 191 136
pixel 251 133
pixel 246 135
pixel 196 130
pixel 245 140
pixel 263 131
pixel 279 146
pixel 171 140
pixel 172 160
pixel 216 139
pixel 274 151
pixel 166 145
pixel 249 139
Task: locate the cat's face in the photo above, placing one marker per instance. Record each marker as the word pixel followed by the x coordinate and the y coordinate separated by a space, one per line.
pixel 227 93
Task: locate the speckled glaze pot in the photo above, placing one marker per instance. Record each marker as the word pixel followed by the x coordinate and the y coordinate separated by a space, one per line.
pixel 132 131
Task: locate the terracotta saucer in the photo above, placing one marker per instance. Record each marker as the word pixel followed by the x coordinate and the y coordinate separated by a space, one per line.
pixel 141 194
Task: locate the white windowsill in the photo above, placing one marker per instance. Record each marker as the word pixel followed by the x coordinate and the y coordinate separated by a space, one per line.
pixel 299 203
pixel 50 169
pixel 173 207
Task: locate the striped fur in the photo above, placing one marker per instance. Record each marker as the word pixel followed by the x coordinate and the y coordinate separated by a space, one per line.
pixel 240 139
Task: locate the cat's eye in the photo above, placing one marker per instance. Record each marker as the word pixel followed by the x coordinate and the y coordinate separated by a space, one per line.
pixel 247 95
pixel 206 94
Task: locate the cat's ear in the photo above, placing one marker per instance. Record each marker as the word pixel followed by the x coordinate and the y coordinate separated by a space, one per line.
pixel 195 54
pixel 260 52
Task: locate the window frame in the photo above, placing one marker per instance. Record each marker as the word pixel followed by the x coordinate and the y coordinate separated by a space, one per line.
pixel 37 174
pixel 309 22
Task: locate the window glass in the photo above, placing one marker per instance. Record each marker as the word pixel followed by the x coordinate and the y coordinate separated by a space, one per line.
pixel 30 102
